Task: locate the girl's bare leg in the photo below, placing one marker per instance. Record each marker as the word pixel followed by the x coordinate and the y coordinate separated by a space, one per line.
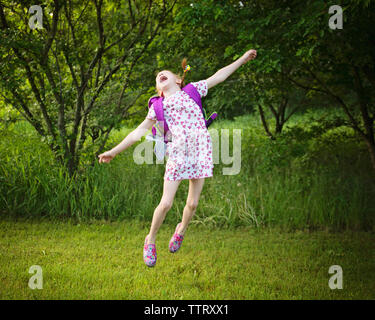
pixel 166 202
pixel 195 189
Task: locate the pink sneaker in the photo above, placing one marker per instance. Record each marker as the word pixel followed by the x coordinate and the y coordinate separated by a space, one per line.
pixel 149 254
pixel 176 241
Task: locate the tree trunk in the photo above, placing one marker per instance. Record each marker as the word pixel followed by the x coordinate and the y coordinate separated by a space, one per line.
pixel 264 122
pixel 279 127
pixel 371 148
pixel 368 120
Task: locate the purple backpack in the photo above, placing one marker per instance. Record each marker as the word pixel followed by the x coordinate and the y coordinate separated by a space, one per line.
pixel 159 112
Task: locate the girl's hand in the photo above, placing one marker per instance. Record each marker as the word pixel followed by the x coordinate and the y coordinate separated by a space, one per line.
pixel 249 55
pixel 106 157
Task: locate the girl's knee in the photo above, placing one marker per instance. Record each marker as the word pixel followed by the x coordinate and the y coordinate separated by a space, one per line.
pixel 192 204
pixel 165 205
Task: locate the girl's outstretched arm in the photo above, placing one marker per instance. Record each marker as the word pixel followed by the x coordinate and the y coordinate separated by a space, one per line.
pixel 225 72
pixel 129 140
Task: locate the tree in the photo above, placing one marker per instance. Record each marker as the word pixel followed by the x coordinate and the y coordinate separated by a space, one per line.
pixel 73 78
pixel 219 32
pixel 340 63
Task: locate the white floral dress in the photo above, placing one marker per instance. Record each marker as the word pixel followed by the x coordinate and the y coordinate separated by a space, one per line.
pixel 189 154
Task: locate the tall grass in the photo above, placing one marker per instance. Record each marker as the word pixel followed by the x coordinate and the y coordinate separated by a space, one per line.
pixel 308 178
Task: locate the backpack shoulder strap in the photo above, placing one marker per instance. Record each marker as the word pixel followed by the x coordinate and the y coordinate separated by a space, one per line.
pixel 194 94
pixel 157 102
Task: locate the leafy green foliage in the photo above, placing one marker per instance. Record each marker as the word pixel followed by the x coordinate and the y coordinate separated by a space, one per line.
pixel 291 182
pixel 81 74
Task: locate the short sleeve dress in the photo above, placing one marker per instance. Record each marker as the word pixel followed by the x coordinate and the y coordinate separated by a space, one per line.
pixel 189 154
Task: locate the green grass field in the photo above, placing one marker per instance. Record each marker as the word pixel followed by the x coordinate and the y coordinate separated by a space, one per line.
pixel 103 260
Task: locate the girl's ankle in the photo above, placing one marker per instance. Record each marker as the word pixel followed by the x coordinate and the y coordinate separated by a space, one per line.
pixel 150 240
pixel 181 230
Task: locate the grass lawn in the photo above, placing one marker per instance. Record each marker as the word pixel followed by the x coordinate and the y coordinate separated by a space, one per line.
pixel 103 260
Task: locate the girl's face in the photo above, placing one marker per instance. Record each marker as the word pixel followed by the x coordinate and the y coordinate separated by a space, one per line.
pixel 166 79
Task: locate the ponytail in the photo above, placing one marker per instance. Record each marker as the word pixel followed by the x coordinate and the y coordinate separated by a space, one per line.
pixel 185 68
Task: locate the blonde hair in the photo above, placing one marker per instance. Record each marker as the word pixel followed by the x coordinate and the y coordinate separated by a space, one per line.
pixel 182 78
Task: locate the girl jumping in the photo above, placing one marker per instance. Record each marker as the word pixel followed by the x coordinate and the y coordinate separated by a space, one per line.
pixel 189 153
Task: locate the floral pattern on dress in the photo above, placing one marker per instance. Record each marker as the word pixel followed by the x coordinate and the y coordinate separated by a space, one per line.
pixel 189 154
